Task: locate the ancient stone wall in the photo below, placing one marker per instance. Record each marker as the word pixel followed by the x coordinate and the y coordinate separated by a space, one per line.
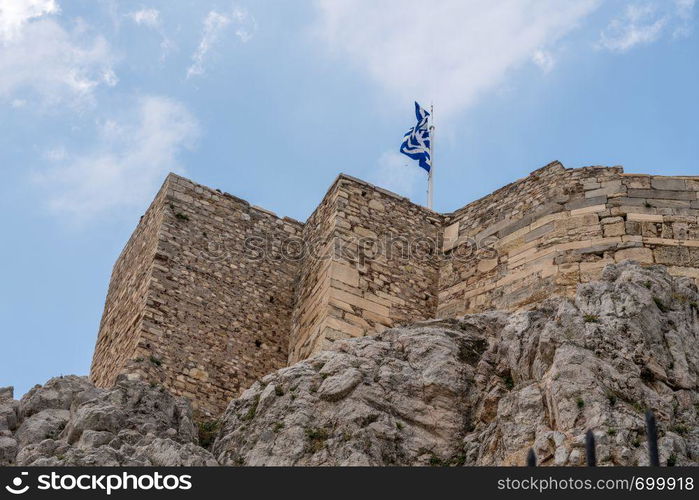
pixel 125 307
pixel 313 285
pixel 211 293
pixel 559 227
pixel 219 299
pixel 371 263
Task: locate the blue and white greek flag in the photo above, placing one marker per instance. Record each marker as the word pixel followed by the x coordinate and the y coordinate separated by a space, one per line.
pixel 416 142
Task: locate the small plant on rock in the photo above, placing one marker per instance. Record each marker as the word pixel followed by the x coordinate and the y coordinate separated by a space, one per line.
pixel 207 432
pixel 316 438
pixel 659 303
pixel 250 414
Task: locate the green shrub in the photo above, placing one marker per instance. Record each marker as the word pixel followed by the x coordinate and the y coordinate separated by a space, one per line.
pixel 250 414
pixel 316 438
pixel 208 429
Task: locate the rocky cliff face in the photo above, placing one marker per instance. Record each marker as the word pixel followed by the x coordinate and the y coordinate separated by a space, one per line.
pixel 478 390
pixel 485 388
pixel 70 422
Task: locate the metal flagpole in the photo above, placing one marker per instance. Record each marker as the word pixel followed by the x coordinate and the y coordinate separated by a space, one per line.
pixel 430 174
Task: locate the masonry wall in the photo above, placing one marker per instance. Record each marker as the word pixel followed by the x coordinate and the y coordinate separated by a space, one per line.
pixel 373 264
pixel 219 297
pixel 559 227
pixel 312 290
pixel 211 293
pixel 125 306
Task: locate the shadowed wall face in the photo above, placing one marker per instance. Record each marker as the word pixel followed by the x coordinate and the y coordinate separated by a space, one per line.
pixel 217 310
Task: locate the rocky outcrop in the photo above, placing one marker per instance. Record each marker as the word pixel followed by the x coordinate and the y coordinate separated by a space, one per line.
pixel 479 390
pixel 68 421
pixel 485 388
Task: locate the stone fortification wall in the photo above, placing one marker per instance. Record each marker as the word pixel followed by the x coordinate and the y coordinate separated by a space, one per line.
pixel 125 306
pixel 372 262
pixel 211 293
pixel 219 299
pixel 559 227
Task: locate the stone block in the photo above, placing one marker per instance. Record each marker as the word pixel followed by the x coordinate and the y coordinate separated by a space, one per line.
pixel 607 189
pixel 668 184
pixel 588 210
pixel 585 202
pixel 539 232
pixel 615 229
pixel 377 205
pixel 637 182
pixel 345 274
pixel 487 265
pixel 611 220
pixel 660 194
pixel 640 255
pixel 451 236
pixel 672 255
pixel 635 217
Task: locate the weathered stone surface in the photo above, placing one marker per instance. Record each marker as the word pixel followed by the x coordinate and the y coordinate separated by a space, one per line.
pixel 57 394
pixel 485 388
pixel 8 450
pixel 641 255
pixel 6 393
pixel 70 422
pixel 211 294
pixel 47 424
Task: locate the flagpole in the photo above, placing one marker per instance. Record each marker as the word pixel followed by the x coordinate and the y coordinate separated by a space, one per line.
pixel 430 174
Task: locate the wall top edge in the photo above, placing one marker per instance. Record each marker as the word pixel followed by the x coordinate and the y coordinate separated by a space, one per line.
pixel 551 168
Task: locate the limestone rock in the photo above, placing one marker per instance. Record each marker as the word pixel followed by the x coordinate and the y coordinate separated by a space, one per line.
pixel 477 390
pixel 8 450
pixel 68 421
pixel 485 388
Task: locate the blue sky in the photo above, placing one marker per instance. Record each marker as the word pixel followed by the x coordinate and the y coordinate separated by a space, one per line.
pixel 270 100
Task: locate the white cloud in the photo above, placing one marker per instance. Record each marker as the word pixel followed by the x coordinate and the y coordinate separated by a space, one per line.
pixel 544 60
pixel 150 18
pixel 453 51
pixel 645 22
pixel 146 17
pixel 125 167
pixel 399 174
pixel 39 56
pixel 215 24
pixel 14 14
pixel 245 24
